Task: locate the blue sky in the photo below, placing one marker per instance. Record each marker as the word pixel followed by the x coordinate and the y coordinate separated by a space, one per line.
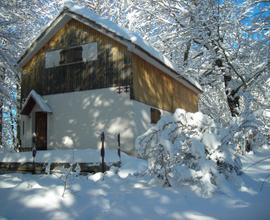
pixel 260 14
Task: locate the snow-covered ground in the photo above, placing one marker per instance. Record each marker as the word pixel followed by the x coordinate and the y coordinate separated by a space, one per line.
pixel 68 156
pixel 125 195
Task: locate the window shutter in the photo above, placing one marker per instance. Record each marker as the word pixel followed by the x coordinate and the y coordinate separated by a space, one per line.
pixel 52 58
pixel 89 52
pixel 83 53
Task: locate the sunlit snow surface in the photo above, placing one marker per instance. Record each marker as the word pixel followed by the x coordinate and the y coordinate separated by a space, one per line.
pixel 123 194
pixel 69 156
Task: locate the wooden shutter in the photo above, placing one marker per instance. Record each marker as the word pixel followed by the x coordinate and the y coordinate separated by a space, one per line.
pixel 89 52
pixel 52 58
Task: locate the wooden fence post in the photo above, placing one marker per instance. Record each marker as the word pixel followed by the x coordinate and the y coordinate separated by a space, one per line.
pixel 34 152
pixel 102 152
pixel 119 144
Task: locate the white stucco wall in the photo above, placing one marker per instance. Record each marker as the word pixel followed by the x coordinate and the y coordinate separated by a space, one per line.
pixel 78 118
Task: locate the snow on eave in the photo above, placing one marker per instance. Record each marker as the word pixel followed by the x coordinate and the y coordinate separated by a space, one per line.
pixel 127 38
pixel 39 101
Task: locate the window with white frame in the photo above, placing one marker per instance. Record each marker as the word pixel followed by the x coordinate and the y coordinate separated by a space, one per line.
pixel 82 53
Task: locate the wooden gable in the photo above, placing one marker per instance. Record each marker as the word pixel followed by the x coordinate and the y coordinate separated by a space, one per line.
pixel 110 69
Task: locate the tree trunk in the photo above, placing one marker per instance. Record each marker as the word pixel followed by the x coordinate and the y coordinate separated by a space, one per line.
pixel 232 98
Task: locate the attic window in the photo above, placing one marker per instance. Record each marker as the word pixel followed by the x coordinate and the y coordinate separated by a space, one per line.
pixel 71 55
pixel 155 115
pixel 127 59
pixel 82 53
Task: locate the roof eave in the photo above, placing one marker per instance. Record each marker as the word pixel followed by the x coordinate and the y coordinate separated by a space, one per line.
pixel 35 99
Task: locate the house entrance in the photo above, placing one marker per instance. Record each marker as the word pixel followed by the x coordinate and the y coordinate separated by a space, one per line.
pixel 41 130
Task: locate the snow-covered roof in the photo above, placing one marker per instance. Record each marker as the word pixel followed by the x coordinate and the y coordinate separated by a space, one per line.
pixel 133 37
pixel 127 36
pixel 32 99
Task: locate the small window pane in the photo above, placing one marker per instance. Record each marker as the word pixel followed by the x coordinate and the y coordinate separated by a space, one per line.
pixel 127 60
pixel 155 115
pixel 71 55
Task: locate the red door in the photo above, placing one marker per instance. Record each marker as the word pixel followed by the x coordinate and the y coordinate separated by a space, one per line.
pixel 41 130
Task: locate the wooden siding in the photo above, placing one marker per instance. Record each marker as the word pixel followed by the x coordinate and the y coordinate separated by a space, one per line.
pixel 151 86
pixel 110 69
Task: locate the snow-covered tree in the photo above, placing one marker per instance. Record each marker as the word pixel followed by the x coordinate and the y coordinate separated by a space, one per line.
pixel 224 45
pixel 19 24
pixel 185 149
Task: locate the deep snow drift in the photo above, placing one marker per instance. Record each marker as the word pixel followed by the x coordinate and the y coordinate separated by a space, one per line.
pixel 127 195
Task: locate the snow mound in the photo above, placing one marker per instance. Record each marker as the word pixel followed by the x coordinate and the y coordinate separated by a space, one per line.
pixel 185 149
pixel 96 177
